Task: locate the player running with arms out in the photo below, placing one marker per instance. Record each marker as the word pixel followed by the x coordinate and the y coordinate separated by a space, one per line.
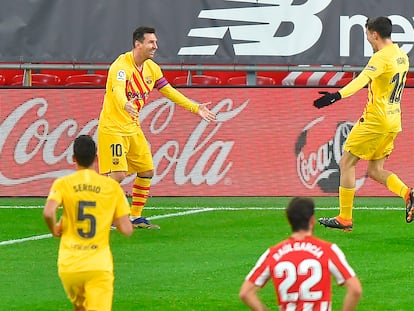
pixel 122 146
pixel 301 267
pixel 372 137
pixel 91 203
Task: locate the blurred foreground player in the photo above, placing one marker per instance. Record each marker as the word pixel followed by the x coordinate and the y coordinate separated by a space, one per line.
pixel 91 203
pixel 301 267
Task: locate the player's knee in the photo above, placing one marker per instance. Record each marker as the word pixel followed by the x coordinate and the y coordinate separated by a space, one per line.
pixel 373 173
pixel 146 174
pixel 344 165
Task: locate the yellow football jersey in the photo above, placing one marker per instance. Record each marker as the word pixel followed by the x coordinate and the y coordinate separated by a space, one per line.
pixel 125 82
pixel 90 203
pixel 386 72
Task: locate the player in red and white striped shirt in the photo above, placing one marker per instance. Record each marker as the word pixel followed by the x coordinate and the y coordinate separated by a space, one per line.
pixel 301 268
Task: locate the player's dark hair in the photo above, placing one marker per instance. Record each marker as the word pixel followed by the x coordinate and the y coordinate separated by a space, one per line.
pixel 382 25
pixel 140 32
pixel 84 150
pixel 299 212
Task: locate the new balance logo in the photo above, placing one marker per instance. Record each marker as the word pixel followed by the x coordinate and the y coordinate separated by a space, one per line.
pixel 260 32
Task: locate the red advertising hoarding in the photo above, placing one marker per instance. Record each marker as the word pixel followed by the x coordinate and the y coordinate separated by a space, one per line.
pixel 267 141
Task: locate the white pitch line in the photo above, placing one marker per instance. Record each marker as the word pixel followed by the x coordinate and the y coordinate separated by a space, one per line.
pixel 32 238
pixel 189 212
pixel 224 208
pixel 186 211
pixel 19 207
pixel 45 236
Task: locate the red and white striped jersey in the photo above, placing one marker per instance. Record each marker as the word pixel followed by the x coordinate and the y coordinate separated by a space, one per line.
pixel 301 272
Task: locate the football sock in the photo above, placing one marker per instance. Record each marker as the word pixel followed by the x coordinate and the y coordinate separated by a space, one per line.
pixel 346 202
pixel 394 184
pixel 140 191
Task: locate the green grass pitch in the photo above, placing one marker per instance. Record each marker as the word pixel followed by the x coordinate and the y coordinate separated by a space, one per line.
pixel 205 247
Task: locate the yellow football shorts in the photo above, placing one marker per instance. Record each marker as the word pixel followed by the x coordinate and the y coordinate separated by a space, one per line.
pixel 91 289
pixel 118 153
pixel 367 144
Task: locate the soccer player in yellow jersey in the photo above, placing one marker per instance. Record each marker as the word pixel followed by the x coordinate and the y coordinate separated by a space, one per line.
pixel 372 137
pixel 122 147
pixel 91 203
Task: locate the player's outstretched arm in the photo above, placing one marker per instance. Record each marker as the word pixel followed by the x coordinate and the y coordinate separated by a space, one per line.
pixel 181 100
pixel 206 113
pixel 326 99
pixel 351 88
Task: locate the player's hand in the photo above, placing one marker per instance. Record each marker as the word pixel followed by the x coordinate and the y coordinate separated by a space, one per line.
pixel 205 113
pixel 131 108
pixel 57 230
pixel 327 99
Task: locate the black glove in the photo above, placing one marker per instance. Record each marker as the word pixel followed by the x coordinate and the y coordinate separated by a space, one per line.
pixel 327 99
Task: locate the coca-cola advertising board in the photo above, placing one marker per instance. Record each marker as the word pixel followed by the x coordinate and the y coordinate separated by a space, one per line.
pixel 266 142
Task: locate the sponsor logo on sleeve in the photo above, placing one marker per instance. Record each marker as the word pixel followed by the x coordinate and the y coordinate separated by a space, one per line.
pixel 121 75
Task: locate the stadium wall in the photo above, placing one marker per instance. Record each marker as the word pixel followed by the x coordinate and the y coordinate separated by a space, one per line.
pixel 267 142
pixel 200 32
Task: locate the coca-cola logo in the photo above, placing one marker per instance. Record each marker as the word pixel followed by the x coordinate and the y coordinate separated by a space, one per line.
pixel 212 165
pixel 37 140
pixel 318 164
pixel 34 137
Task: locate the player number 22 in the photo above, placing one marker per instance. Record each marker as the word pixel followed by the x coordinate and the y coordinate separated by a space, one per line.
pixel 290 273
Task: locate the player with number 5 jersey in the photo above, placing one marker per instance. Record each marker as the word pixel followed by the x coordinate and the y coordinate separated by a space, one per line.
pixel 91 203
pixel 301 267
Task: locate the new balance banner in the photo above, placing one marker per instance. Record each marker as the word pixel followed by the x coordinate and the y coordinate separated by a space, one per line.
pixel 201 32
pixel 267 141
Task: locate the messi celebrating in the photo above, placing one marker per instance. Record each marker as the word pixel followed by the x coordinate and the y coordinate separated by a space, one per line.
pixel 122 147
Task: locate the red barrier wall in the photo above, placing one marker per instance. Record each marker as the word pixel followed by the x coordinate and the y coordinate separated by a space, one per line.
pixel 268 141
